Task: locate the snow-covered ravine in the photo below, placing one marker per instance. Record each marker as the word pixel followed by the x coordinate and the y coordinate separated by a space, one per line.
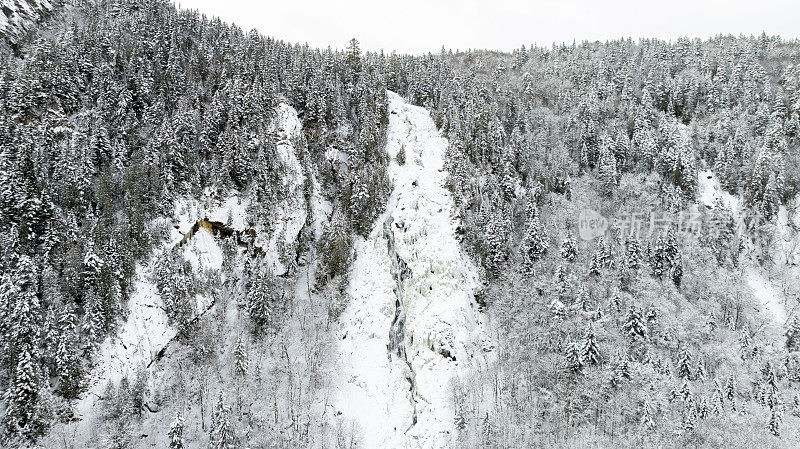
pixel 145 331
pixel 412 323
pixel 769 297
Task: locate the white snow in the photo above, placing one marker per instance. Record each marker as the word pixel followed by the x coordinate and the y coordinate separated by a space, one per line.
pixel 441 315
pixel 290 211
pixel 710 190
pixel 770 298
pixel 146 329
pixel 203 252
pixel 24 13
pixel 321 208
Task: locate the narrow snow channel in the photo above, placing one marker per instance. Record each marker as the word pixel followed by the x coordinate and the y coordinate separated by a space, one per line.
pixel 766 293
pixel 412 323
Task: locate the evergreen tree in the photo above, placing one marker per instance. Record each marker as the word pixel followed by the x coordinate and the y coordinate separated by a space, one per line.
pixel 221 435
pixel 534 245
pixel 262 300
pixel 68 365
pixel 590 354
pixel 774 425
pixel 793 334
pixel 602 258
pixel 574 357
pixel 730 389
pixel 634 324
pixel 633 254
pixel 569 249
pixel 175 434
pixel 240 354
pixel 685 363
pixel 23 413
pixel 607 170
pixel 666 258
pixel 647 416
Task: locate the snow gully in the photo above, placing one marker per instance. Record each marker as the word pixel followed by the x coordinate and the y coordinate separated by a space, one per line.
pixel 397 339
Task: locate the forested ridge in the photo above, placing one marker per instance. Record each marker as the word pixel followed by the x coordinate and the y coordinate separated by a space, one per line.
pixel 125 107
pixel 106 125
pixel 630 339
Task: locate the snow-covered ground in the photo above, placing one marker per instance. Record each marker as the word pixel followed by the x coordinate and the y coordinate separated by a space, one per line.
pixel 771 298
pixel 146 330
pixel 17 16
pixel 710 190
pixel 442 333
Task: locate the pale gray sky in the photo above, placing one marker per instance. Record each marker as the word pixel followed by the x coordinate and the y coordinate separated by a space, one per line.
pixel 418 26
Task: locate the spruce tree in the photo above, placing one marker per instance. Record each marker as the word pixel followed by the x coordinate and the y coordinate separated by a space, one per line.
pixel 647 416
pixel 634 324
pixel 221 435
pixel 569 249
pixel 574 357
pixel 793 334
pixel 685 363
pixel 590 354
pixel 775 418
pixel 534 245
pixel 175 434
pixel 607 170
pixel 240 354
pixel 730 389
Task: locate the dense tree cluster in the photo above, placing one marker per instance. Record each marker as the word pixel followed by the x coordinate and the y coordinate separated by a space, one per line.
pixel 615 127
pixel 133 104
pixel 129 107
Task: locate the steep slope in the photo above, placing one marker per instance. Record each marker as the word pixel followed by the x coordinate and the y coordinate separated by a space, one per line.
pixel 412 324
pixel 764 291
pixel 146 333
pixel 18 16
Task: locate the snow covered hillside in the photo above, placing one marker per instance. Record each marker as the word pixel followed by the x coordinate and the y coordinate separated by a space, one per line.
pixel 145 334
pixel 770 298
pixel 17 16
pixel 412 324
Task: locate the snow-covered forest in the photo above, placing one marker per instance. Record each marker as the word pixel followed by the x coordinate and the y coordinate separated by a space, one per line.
pixel 211 238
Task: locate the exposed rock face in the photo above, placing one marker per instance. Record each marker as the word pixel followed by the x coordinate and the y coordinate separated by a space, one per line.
pixel 19 16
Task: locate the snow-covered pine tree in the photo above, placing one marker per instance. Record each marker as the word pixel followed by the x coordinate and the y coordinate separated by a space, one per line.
pixel 666 258
pixel 647 418
pixel 221 435
pixel 175 434
pixel 730 389
pixel 569 249
pixel 793 334
pixel 67 361
pixel 634 324
pixel 23 414
pixel 775 418
pixel 633 254
pixel 535 244
pixel 685 363
pixel 703 409
pixel 240 356
pixel 590 353
pixel 607 169
pixel 574 359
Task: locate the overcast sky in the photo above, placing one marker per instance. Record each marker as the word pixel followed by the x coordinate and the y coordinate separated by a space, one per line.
pixel 418 26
